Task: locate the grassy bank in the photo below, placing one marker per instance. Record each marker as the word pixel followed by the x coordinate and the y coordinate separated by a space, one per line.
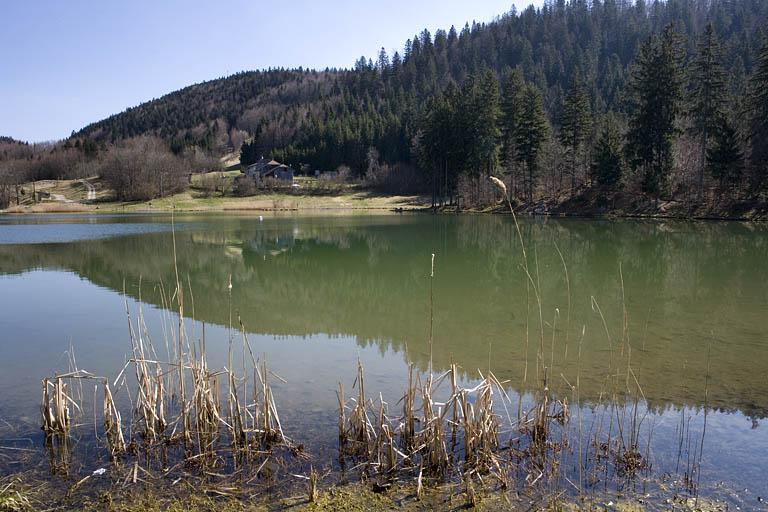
pixel 69 196
pixel 189 201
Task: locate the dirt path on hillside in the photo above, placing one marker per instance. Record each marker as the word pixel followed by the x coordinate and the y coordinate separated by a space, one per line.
pixel 90 194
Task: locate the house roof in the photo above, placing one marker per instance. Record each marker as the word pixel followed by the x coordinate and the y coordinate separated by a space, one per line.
pixel 264 167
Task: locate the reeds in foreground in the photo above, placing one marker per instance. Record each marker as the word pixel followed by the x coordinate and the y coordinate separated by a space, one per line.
pixel 165 411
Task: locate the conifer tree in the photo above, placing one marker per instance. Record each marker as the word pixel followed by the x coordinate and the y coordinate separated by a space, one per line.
pixel 531 134
pixel 437 142
pixel 487 113
pixel 608 162
pixel 382 63
pixel 249 153
pixel 759 120
pixel 654 91
pixel 513 87
pixel 707 91
pixel 575 121
pixel 725 160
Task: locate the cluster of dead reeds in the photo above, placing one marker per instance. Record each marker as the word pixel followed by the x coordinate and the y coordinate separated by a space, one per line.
pixel 175 399
pixel 469 433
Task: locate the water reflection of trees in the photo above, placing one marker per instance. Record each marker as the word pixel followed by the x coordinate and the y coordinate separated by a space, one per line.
pixel 686 285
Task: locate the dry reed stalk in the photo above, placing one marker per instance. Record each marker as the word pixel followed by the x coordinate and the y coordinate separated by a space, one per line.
pixel 541 417
pixel 480 426
pixel 205 406
pixel 408 429
pixel 113 424
pixel 55 407
pixel 236 423
pixel 385 444
pixel 359 423
pixel 343 438
pixel 431 309
pixel 49 418
pixel 269 420
pixel 486 426
pixel 469 486
pixel 455 417
pixel 420 484
pixel 432 437
pixel 314 494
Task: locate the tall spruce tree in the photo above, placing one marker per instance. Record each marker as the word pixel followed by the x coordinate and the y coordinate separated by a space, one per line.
pixel 487 113
pixel 532 132
pixel 654 94
pixel 725 160
pixel 513 87
pixel 608 163
pixel 511 106
pixel 759 120
pixel 249 153
pixel 438 147
pixel 575 122
pixel 707 92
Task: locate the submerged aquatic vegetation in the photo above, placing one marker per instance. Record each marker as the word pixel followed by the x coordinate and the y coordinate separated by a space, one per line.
pixel 13 498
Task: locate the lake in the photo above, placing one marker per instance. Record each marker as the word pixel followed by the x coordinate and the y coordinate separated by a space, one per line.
pixel 677 310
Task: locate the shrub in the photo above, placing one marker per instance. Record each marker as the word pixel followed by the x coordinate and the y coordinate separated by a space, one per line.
pixel 244 186
pixel 144 168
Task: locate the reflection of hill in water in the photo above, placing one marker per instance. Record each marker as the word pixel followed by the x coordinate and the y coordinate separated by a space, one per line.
pixel 684 283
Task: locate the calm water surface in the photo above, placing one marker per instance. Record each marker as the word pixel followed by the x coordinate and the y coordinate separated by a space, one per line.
pixel 317 294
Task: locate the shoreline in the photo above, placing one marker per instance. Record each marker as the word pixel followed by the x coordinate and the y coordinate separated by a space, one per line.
pixel 114 209
pixel 351 496
pixel 361 201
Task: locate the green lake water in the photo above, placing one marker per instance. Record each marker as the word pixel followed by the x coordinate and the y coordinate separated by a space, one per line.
pixel 680 308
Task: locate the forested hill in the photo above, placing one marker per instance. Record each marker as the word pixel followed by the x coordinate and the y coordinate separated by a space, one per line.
pixel 9 140
pixel 332 117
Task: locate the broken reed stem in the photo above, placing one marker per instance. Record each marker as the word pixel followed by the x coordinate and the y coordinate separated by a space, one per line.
pixel 55 407
pixel 113 424
pixel 360 433
pixel 314 494
pixel 409 419
pixel 431 309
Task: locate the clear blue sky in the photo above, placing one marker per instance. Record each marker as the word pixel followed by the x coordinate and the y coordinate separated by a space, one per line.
pixel 67 63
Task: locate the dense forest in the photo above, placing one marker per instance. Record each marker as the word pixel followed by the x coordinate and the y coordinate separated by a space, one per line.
pixel 660 98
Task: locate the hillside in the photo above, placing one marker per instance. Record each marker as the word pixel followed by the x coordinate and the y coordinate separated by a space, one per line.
pixel 328 118
pixel 10 140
